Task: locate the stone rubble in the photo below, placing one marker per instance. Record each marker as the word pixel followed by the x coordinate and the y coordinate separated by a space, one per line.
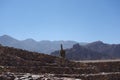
pixel 28 76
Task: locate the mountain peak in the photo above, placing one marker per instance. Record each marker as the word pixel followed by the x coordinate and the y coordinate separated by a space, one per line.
pixel 97 42
pixel 30 40
pixel 5 36
pixel 7 40
pixel 76 46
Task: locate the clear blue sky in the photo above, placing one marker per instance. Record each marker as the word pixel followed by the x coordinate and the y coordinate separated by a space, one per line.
pixel 78 20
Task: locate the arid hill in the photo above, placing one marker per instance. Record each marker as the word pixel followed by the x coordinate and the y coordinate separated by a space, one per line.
pixel 22 61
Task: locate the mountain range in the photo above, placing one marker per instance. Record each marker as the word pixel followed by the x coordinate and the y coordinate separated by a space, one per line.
pixel 74 50
pixel 90 51
pixel 44 46
pixel 112 50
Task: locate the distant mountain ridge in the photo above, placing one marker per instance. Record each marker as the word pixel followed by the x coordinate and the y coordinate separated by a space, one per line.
pixel 109 49
pixel 78 52
pixel 44 46
pixel 94 50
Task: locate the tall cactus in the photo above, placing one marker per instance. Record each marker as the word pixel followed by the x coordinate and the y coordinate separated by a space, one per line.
pixel 62 52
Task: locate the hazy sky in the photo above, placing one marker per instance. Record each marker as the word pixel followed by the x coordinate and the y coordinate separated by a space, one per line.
pixel 78 20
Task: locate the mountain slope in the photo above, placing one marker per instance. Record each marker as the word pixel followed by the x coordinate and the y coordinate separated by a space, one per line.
pixel 81 53
pixel 109 49
pixel 7 40
pixel 17 57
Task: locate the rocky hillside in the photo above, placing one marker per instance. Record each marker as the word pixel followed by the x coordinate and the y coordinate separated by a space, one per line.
pixel 17 57
pixel 24 61
pixel 53 68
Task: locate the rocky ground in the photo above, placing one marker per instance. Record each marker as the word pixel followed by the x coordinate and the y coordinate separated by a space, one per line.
pixel 94 70
pixel 28 76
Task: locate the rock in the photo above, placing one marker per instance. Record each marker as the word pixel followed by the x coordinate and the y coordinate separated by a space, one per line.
pixel 7 76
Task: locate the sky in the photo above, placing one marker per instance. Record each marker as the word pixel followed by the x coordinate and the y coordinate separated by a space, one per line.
pixel 77 20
